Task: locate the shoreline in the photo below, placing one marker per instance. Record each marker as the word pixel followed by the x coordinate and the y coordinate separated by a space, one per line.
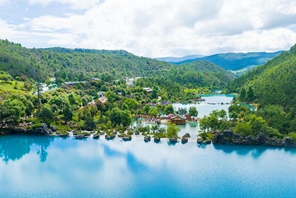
pixel 224 138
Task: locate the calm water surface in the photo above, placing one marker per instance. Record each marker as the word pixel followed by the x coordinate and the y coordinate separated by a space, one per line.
pixel 35 166
pixel 204 108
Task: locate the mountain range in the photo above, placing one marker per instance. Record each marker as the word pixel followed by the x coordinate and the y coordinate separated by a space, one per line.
pixel 229 61
pixel 80 64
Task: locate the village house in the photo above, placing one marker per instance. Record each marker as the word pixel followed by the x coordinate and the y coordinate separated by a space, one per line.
pixel 178 120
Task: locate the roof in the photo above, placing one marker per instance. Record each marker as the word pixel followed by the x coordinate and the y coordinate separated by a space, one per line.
pixel 74 83
pixel 93 78
pixel 178 117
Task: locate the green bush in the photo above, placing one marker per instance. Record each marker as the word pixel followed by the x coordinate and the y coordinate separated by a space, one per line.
pixel 292 135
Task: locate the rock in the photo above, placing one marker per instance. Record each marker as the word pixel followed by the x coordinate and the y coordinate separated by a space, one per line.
pixel 121 135
pixel 147 139
pixel 261 138
pixel 288 142
pixel 187 135
pixel 96 136
pixel 199 141
pixel 64 135
pixel 129 138
pixel 156 140
pixel 227 133
pixel 53 128
pixel 43 129
pixel 109 137
pixel 184 140
pixel 79 136
pixel 250 140
pixel 208 141
pixel 173 140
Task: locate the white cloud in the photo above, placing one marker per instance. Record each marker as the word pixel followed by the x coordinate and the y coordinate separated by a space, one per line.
pixel 169 28
pixel 2 2
pixel 75 4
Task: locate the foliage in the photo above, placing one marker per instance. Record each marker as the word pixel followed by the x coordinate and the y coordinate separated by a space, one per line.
pixel 271 83
pixel 46 115
pixel 172 131
pixel 193 111
pixel 169 109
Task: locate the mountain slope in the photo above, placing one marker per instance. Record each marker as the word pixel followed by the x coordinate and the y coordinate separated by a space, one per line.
pixel 274 82
pixel 74 64
pixel 237 61
pixel 80 64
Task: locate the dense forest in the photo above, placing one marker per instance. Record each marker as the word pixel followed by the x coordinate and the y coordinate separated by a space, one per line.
pixel 81 64
pixel 272 83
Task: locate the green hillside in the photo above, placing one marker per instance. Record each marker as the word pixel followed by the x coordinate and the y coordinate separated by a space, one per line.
pixel 80 64
pixel 272 83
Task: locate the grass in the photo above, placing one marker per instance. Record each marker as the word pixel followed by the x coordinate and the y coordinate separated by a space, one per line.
pixel 11 87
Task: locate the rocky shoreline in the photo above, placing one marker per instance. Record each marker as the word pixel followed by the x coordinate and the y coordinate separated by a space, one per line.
pixel 230 138
pixel 226 137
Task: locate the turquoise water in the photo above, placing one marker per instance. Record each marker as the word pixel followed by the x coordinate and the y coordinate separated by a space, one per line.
pixel 36 166
pixel 204 108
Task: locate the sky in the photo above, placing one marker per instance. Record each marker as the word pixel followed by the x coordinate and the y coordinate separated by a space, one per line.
pixel 152 28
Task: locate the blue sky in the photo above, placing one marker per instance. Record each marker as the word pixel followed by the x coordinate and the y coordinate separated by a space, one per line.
pixel 152 28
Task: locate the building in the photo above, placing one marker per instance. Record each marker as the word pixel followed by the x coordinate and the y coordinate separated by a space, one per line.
pixel 70 84
pixel 147 89
pixel 178 120
pixel 188 117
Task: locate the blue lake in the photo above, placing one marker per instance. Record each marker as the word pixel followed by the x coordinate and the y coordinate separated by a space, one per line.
pixel 36 166
pixel 206 107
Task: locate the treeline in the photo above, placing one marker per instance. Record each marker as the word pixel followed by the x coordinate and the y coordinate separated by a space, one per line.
pixel 81 64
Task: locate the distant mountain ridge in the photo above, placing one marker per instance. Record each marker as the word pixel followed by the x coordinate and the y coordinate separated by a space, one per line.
pixel 233 61
pixel 178 59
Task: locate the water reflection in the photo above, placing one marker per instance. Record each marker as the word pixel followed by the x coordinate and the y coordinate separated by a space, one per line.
pixel 14 147
pixel 101 168
pixel 255 151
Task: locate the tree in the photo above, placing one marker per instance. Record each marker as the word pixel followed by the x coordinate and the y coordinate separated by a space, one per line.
pixel 169 109
pixel 89 124
pixel 193 111
pixel 131 103
pixel 146 109
pixel 115 117
pixel 172 131
pixel 126 118
pixel 68 115
pixel 153 112
pixel 243 129
pixel 250 95
pixel 46 115
pixel 182 111
pixel 242 95
pixel 154 94
pixel 154 128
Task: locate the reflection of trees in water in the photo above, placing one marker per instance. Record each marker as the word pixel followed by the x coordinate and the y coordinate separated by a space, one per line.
pixel 14 147
pixel 256 151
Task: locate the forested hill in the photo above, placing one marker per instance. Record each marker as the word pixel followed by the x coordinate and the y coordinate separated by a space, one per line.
pixel 74 64
pixel 201 73
pixel 236 61
pixel 80 64
pixel 272 83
